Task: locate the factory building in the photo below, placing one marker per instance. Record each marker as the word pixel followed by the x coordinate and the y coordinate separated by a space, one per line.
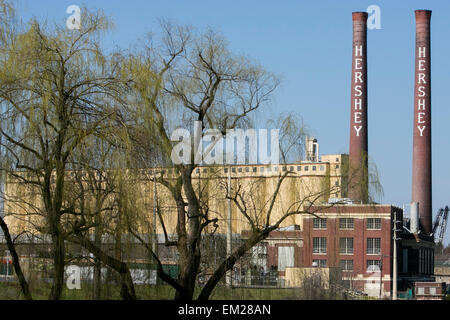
pixel 367 244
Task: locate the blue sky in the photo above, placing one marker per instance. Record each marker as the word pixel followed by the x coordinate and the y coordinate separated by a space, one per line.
pixel 308 44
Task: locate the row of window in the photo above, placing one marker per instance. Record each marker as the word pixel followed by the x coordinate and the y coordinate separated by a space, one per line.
pixel 347 265
pixel 249 169
pixel 347 223
pixel 346 245
pixel 267 169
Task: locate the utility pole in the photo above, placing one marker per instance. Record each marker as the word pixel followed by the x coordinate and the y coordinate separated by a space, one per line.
pixel 229 279
pixel 381 276
pixel 155 199
pixel 394 269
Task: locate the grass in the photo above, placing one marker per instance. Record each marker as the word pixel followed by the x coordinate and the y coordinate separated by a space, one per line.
pixel 40 291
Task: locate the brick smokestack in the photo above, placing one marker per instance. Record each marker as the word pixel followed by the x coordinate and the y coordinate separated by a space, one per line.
pixel 421 175
pixel 358 162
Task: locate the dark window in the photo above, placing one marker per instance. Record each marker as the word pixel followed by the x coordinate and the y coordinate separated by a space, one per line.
pixel 374 223
pixel 319 245
pixel 346 223
pixel 346 245
pixel 320 263
pixel 373 245
pixel 346 265
pixel 319 223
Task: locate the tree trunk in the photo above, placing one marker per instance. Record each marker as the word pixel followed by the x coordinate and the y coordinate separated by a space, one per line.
pixel 96 294
pixel 15 260
pixel 228 263
pixel 97 285
pixel 58 262
pixel 188 242
pixel 127 291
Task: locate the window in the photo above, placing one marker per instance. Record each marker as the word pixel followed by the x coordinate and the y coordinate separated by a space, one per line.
pixel 205 170
pixel 346 245
pixel 284 168
pixel 239 169
pixel 319 245
pixel 373 245
pixel 374 223
pixel 420 291
pixel 337 166
pixel 247 169
pixel 433 291
pixel 319 223
pixel 254 169
pixel 320 263
pixel 233 169
pixel 225 170
pixel 276 168
pixel 346 223
pixel 322 168
pixel 291 168
pixel 269 169
pixel 314 168
pixel 306 168
pixel 299 168
pixel 346 265
pixel 337 159
pixel 373 265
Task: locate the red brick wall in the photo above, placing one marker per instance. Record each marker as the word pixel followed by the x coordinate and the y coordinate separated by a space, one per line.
pixel 359 233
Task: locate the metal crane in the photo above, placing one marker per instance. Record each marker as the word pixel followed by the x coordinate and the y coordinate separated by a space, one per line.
pixel 440 221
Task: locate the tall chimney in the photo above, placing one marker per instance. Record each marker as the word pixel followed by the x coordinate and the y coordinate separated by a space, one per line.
pixel 421 175
pixel 358 162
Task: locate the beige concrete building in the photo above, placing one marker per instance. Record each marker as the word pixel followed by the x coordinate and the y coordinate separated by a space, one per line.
pixel 307 181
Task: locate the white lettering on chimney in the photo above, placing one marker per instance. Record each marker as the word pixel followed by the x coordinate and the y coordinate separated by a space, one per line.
pixel 421 66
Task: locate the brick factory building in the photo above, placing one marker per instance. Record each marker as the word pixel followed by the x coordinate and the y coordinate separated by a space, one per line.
pixel 356 239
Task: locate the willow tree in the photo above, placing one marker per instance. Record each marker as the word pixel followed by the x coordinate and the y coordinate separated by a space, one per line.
pixel 184 78
pixel 57 87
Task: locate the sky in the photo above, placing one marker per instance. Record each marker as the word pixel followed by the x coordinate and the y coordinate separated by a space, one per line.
pixel 308 45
